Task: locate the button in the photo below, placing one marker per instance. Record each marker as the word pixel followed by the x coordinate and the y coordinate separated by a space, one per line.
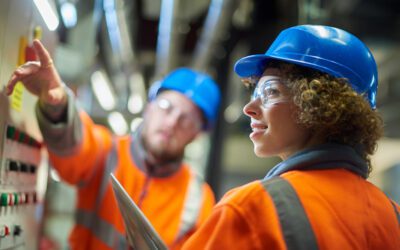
pixel 10 132
pixel 27 140
pixel 21 137
pixel 22 198
pixel 34 197
pixel 4 200
pixel 27 198
pixel 36 144
pixel 32 169
pixel 17 230
pixel 13 166
pixel 4 231
pixel 16 199
pixel 31 141
pixel 11 199
pixel 24 168
pixel 16 135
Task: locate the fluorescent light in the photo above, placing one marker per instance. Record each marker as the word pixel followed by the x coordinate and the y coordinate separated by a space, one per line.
pixel 102 90
pixel 135 123
pixel 68 14
pixel 135 104
pixel 137 95
pixel 117 123
pixel 47 13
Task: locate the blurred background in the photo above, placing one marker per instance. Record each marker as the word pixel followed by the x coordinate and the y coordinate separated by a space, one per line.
pixel 111 51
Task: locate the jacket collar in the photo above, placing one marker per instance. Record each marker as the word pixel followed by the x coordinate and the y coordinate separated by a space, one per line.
pixel 325 156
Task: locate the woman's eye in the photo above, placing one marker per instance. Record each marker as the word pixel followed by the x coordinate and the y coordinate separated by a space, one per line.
pixel 271 92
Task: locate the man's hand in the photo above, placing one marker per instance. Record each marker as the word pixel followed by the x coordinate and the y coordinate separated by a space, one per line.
pixel 40 78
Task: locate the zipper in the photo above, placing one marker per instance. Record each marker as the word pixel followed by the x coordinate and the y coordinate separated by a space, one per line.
pixel 144 191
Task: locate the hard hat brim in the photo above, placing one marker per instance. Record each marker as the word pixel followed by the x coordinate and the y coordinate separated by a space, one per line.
pixel 253 65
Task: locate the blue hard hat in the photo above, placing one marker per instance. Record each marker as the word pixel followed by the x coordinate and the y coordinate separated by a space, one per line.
pixel 198 87
pixel 327 49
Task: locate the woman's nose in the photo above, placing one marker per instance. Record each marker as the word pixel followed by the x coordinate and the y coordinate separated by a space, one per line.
pixel 252 108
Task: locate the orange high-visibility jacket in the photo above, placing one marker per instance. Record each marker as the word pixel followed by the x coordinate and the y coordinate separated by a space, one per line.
pixel 336 209
pixel 175 205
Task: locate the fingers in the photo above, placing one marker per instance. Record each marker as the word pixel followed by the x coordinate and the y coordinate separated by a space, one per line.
pixel 43 54
pixel 20 74
pixel 27 69
pixel 11 84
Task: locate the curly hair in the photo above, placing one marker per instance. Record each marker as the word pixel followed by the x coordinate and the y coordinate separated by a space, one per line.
pixel 330 107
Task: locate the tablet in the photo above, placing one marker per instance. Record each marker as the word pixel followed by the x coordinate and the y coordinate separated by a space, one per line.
pixel 139 231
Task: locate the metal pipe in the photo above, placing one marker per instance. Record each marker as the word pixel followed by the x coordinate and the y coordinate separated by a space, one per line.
pixel 216 25
pixel 167 40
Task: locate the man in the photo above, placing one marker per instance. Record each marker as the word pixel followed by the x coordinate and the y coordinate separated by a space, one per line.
pixel 148 163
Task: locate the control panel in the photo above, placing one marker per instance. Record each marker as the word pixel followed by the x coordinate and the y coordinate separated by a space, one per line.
pixel 19 208
pixel 23 159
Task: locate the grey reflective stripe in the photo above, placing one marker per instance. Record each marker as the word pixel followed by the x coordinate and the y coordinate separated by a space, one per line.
pixel 110 165
pixel 192 206
pixel 100 228
pixel 396 211
pixel 296 228
pixel 103 230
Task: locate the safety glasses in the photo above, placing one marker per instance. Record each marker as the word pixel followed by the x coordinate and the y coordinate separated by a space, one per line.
pixel 270 92
pixel 186 120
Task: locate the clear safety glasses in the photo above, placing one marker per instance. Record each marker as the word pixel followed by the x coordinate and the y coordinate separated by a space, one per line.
pixel 186 120
pixel 270 92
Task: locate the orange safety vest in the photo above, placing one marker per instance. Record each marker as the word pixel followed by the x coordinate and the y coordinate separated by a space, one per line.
pixel 313 209
pixel 175 205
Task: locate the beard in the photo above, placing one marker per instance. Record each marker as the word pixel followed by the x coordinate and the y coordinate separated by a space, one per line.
pixel 161 153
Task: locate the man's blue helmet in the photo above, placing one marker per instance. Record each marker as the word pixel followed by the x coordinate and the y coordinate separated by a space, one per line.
pixel 327 49
pixel 198 87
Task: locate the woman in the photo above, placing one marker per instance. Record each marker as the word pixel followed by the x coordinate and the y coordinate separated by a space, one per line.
pixel 314 107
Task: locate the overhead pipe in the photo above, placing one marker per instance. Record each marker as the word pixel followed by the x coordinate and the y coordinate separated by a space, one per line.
pixel 119 32
pixel 167 41
pixel 121 56
pixel 216 25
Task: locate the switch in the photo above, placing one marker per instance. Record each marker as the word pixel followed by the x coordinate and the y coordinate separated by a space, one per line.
pixel 4 231
pixel 17 230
